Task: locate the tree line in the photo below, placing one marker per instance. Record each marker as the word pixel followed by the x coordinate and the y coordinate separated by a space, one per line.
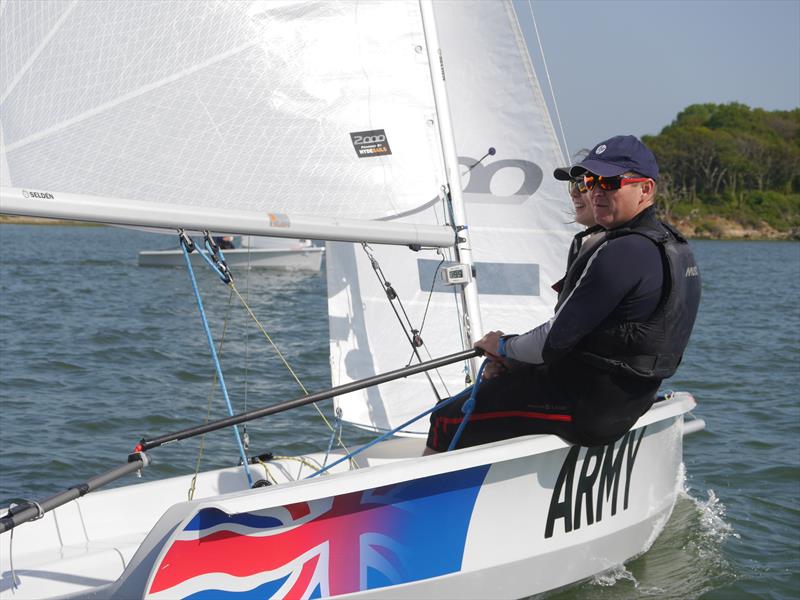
pixel 732 161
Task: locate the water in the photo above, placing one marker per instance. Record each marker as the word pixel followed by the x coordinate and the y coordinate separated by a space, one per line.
pixel 96 352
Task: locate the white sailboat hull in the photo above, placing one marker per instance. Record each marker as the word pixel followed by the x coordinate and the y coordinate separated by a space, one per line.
pixel 289 259
pixel 504 520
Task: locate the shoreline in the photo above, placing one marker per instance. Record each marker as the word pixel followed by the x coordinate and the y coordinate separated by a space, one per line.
pixel 18 220
pixel 719 228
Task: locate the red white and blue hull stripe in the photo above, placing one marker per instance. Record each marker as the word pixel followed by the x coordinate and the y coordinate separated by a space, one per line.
pixel 338 545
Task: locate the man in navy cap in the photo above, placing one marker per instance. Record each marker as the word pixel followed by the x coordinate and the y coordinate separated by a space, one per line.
pixel 615 164
pixel 621 325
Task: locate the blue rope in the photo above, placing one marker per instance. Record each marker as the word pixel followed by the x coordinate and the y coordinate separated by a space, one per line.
pixel 467 408
pixel 216 360
pixel 382 437
pixel 207 244
pixel 204 255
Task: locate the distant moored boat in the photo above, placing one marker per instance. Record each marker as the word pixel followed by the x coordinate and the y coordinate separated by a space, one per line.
pixel 261 253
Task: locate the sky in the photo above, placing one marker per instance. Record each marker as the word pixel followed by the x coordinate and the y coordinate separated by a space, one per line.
pixel 629 67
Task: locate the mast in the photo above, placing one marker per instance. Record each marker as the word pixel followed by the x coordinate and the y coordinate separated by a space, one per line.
pixel 469 291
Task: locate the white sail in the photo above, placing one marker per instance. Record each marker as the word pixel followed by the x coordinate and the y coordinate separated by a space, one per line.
pixel 519 223
pixel 321 109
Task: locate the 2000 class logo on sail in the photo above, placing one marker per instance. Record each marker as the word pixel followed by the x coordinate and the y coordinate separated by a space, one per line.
pixel 599 479
pixel 370 143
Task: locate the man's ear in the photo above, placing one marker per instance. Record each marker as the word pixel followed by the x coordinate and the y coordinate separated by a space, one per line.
pixel 648 190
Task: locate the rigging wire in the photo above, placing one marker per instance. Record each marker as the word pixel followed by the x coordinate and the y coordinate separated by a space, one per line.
pixel 338 430
pixel 391 293
pixel 412 335
pixel 425 315
pixel 269 339
pixel 565 148
pixel 430 293
pixel 283 358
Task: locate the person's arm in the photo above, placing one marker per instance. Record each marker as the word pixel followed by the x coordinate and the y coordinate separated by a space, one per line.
pixel 615 270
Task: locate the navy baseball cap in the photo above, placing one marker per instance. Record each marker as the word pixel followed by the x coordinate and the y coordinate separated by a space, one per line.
pixel 618 155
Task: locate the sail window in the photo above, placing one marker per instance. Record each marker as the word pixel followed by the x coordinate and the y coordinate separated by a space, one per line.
pixel 494 278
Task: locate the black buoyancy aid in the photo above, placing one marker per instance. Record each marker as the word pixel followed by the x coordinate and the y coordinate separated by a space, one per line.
pixel 564 286
pixel 651 349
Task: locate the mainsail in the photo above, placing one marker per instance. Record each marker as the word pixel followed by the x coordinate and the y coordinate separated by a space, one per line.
pixel 321 109
pixel 197 112
pixel 519 223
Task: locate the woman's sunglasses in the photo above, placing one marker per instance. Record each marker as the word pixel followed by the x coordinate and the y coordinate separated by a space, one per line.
pixel 577 186
pixel 610 183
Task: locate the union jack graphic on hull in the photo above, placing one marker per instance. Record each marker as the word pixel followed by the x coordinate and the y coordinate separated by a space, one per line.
pixel 356 541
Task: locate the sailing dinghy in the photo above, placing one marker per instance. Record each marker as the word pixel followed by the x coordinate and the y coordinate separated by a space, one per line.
pixel 413 137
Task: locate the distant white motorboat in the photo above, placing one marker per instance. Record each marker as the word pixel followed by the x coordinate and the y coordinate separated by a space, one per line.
pixel 261 253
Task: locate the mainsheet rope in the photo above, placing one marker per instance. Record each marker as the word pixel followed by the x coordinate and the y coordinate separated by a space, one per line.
pixel 225 276
pixel 245 435
pixel 469 405
pixel 200 451
pixel 214 357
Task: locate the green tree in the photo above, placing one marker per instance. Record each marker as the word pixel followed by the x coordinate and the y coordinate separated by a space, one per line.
pixel 733 161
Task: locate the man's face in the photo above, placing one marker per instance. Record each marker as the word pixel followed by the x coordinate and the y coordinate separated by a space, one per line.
pixel 612 208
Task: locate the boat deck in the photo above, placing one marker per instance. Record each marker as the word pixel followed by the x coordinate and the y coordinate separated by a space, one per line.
pixel 63 552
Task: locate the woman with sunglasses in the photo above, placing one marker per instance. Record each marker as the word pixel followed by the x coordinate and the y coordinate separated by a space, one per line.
pixel 587 239
pixel 580 195
pixel 621 324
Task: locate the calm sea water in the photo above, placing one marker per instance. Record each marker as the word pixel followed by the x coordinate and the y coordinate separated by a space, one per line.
pixel 96 352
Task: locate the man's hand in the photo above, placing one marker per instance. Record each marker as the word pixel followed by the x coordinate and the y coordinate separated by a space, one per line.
pixel 489 343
